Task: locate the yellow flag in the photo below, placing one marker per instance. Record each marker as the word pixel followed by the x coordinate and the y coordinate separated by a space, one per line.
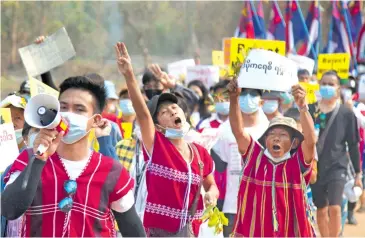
pixel 5 115
pixel 127 129
pixel 37 87
pixel 311 91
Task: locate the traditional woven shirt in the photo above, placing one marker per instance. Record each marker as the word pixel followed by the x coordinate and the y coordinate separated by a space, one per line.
pixel 271 199
pixel 102 182
pixel 172 184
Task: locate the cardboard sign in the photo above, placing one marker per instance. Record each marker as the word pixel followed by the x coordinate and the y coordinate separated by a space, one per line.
pixel 339 62
pixel 208 74
pixel 267 70
pixel 361 88
pixel 8 145
pixel 54 51
pixel 218 60
pixel 37 87
pixel 5 115
pixel 178 69
pixel 311 90
pixel 227 50
pixel 303 62
pixel 240 48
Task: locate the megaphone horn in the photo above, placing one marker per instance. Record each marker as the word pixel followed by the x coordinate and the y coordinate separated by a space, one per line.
pixel 43 111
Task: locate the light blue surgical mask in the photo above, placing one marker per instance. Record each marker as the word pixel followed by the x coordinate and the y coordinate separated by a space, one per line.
pixel 327 92
pixel 18 136
pixel 249 104
pixel 77 127
pixel 126 107
pixel 222 108
pixel 270 106
pixel 173 133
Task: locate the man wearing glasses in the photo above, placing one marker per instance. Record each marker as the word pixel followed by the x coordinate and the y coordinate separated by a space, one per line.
pixel 72 190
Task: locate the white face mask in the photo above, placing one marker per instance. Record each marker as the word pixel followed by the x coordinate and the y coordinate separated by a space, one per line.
pixel 286 156
pixel 173 133
pixel 77 127
pixel 18 136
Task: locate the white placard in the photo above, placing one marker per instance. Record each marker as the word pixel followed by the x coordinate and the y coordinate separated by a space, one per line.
pixel 54 51
pixel 208 74
pixel 178 69
pixel 267 70
pixel 362 87
pixel 303 62
pixel 8 147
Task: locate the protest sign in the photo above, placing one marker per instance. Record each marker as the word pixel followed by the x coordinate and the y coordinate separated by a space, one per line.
pixel 5 115
pixel 303 62
pixel 218 60
pixel 311 90
pixel 37 87
pixel 207 74
pixel 178 69
pixel 8 145
pixel 54 51
pixel 240 48
pixel 267 70
pixel 339 62
pixel 361 88
pixel 227 50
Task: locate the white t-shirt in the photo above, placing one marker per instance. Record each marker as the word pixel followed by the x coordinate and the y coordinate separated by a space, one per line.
pixel 227 149
pixel 74 169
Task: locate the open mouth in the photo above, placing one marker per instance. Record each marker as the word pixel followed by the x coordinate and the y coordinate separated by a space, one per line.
pixel 178 121
pixel 276 147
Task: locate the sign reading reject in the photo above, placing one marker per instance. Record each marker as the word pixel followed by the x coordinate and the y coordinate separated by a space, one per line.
pixel 267 70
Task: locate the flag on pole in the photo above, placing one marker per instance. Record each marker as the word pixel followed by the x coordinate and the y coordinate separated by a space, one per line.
pixel 356 17
pixel 338 40
pixel 258 20
pixel 297 33
pixel 360 54
pixel 313 24
pixel 245 27
pixel 277 23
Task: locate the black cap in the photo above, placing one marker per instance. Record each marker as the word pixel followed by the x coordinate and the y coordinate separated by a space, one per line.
pixel 157 100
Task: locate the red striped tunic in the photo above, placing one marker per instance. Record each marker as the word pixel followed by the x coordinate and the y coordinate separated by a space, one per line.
pixel 102 182
pixel 266 187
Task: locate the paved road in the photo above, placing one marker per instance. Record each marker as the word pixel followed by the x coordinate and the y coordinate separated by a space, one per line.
pixel 359 230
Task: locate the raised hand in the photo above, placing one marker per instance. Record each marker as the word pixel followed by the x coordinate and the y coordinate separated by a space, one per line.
pixel 123 60
pixel 48 138
pixel 233 89
pixel 162 76
pixel 39 39
pixel 104 128
pixel 299 94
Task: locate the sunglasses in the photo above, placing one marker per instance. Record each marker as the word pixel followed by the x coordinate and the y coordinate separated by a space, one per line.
pixel 65 204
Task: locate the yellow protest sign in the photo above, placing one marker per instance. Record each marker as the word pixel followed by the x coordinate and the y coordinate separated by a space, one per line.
pixel 240 48
pixel 127 129
pixel 218 60
pixel 339 62
pixel 5 115
pixel 311 91
pixel 37 87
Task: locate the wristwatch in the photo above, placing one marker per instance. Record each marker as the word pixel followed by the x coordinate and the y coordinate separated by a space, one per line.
pixel 304 108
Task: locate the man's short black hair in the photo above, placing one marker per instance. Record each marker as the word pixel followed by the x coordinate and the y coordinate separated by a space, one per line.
pixel 26 129
pixel 148 76
pixel 303 72
pixel 84 83
pixel 333 73
pixel 222 84
pixel 123 92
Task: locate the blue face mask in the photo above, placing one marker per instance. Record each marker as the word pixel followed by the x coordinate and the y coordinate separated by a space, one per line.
pixel 249 104
pixel 270 106
pixel 77 127
pixel 126 107
pixel 327 92
pixel 172 133
pixel 222 108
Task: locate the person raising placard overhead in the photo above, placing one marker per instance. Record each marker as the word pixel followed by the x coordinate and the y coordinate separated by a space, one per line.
pixel 174 203
pixel 282 163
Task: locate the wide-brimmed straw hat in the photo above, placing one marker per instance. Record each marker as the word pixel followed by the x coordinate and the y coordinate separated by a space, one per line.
pixel 285 122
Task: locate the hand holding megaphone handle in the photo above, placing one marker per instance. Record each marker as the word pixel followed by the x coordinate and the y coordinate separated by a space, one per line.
pixel 41 149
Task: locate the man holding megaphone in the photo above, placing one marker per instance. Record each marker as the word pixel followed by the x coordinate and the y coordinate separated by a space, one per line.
pixel 71 190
